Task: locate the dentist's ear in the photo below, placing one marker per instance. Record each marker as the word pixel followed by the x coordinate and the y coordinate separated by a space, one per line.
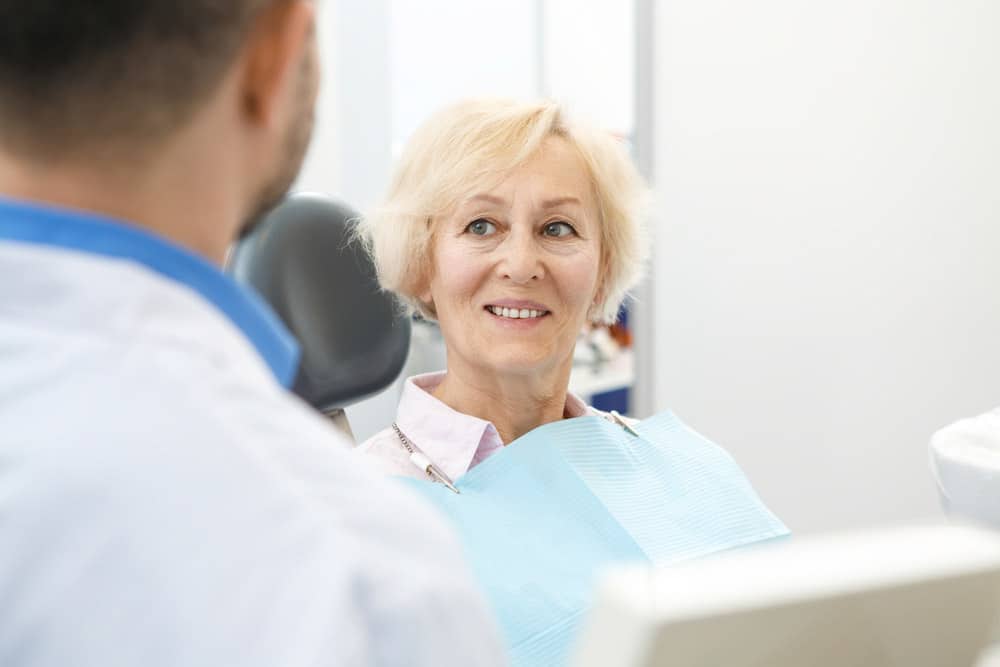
pixel 279 41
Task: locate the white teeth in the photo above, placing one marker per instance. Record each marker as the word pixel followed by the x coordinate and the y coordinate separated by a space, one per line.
pixel 514 313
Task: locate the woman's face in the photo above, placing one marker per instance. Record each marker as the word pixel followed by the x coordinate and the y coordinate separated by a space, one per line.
pixel 515 268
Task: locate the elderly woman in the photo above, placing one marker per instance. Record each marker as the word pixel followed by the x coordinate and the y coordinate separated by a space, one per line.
pixel 512 230
pixel 513 227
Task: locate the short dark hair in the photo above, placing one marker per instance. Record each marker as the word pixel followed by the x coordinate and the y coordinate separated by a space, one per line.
pixel 78 72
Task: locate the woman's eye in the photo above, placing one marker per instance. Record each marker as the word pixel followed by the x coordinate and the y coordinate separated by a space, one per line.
pixel 481 227
pixel 558 229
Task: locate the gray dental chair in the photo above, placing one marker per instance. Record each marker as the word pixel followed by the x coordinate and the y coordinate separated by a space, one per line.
pixel 300 257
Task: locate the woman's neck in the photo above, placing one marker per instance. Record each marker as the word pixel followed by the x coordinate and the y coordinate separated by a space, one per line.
pixel 514 404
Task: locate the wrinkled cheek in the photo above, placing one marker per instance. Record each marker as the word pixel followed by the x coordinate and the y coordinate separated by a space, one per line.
pixel 457 276
pixel 580 286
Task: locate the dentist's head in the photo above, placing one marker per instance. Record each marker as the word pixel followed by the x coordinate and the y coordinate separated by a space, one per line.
pixel 512 226
pixel 185 116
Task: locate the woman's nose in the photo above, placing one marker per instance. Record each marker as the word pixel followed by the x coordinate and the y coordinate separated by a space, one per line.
pixel 521 260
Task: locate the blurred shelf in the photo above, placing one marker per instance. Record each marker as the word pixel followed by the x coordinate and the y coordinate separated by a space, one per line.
pixel 588 380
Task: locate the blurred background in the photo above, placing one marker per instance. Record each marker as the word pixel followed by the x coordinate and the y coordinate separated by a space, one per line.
pixel 824 291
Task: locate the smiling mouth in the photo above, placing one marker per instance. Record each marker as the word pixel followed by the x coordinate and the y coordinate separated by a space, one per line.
pixel 517 313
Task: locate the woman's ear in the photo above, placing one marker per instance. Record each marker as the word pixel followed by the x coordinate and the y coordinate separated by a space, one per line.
pixel 595 314
pixel 426 303
pixel 422 288
pixel 600 296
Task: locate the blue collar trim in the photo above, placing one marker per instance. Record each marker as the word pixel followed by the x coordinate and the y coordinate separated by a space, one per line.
pixel 33 223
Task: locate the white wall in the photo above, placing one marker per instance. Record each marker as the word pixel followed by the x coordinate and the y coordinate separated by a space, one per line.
pixel 587 60
pixel 443 51
pixel 828 245
pixel 350 154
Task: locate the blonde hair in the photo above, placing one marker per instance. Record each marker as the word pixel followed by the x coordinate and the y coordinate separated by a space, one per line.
pixel 474 144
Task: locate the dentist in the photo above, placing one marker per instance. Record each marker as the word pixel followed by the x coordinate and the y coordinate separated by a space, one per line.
pixel 163 499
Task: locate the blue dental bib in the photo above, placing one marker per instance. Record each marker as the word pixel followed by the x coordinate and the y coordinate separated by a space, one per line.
pixel 540 519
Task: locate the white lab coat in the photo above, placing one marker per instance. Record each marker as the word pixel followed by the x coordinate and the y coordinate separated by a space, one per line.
pixel 164 501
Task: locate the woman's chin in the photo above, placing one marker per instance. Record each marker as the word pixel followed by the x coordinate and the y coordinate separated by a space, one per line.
pixel 518 360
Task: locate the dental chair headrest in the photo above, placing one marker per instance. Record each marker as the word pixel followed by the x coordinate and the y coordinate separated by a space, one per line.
pixel 302 260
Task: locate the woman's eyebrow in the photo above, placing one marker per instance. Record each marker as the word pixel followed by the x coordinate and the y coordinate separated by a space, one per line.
pixel 490 199
pixel 500 201
pixel 559 201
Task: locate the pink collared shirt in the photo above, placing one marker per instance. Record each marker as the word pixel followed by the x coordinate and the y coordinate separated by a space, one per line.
pixel 454 441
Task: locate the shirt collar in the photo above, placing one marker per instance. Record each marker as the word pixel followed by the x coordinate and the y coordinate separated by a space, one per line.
pixel 575 407
pixel 85 232
pixel 449 438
